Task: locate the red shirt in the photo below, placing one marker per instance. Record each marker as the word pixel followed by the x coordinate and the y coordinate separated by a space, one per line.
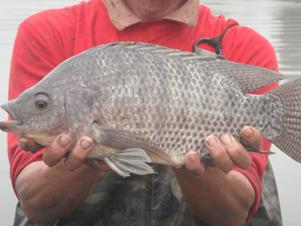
pixel 46 39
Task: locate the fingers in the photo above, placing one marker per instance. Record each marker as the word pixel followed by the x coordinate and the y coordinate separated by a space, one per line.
pixel 227 152
pixel 57 150
pixel 79 153
pixel 251 136
pixel 219 153
pixel 236 151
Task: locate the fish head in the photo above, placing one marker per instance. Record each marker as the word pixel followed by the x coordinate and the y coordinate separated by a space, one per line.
pixel 36 114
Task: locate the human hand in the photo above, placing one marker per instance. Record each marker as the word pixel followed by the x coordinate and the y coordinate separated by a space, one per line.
pixel 226 151
pixel 62 150
pixel 64 181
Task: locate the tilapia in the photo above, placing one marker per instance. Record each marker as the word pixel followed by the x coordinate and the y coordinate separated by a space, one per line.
pixel 143 103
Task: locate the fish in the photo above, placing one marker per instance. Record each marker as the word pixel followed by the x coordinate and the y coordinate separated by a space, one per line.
pixel 145 104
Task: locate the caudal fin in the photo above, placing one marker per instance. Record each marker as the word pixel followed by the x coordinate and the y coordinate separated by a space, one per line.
pixel 290 139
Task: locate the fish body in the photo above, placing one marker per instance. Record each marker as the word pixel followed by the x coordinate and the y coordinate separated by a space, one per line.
pixel 145 103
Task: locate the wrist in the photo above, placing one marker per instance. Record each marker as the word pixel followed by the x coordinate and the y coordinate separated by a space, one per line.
pixel 47 193
pixel 217 198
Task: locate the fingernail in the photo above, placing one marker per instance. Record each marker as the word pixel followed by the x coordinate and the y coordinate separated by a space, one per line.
pixel 64 140
pixel 227 139
pixel 211 141
pixel 247 132
pixel 85 144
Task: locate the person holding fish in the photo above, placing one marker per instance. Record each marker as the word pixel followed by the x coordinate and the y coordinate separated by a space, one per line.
pixel 60 185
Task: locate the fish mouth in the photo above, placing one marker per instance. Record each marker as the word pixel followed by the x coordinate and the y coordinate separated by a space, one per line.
pixel 10 126
pixel 13 124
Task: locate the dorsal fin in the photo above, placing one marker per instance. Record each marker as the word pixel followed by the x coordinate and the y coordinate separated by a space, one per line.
pixel 249 77
pixel 157 49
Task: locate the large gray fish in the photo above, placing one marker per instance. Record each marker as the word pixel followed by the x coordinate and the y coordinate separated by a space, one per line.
pixel 143 103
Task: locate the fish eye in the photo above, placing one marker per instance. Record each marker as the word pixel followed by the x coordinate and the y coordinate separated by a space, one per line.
pixel 41 101
pixel 41 104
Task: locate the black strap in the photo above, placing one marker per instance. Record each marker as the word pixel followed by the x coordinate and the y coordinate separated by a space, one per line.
pixel 215 42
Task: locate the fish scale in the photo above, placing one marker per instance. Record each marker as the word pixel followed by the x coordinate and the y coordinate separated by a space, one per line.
pixel 167 97
pixel 144 103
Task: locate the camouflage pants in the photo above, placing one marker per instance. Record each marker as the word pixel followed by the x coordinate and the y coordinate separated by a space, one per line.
pixel 153 200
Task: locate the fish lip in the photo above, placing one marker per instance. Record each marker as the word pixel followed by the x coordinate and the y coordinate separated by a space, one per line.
pixel 10 126
pixel 14 121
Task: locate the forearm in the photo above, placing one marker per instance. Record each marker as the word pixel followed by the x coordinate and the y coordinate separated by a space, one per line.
pixel 217 198
pixel 46 193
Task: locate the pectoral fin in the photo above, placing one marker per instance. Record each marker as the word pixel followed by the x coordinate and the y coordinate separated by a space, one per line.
pixel 118 139
pixel 129 161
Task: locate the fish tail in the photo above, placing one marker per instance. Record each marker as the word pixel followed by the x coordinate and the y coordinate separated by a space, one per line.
pixel 289 140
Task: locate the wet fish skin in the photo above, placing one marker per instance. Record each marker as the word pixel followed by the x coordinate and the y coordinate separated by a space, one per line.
pixel 141 98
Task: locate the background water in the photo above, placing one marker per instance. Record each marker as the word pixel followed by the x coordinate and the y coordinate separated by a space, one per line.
pixel 277 20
